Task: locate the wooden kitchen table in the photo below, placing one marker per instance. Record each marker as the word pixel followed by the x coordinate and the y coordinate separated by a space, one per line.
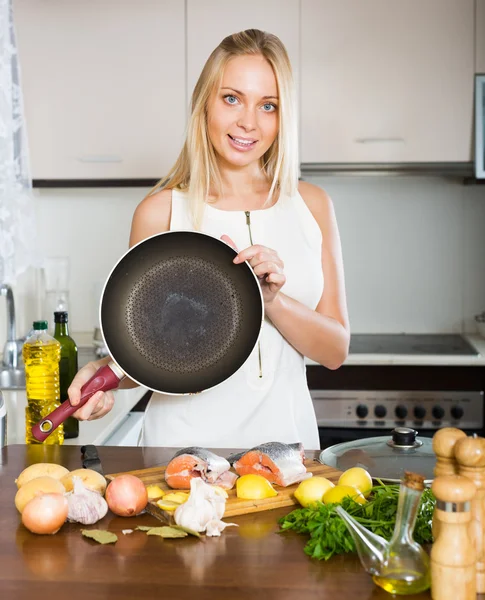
pixel 247 562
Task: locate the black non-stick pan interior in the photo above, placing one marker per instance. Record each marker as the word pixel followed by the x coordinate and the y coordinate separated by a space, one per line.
pixel 177 315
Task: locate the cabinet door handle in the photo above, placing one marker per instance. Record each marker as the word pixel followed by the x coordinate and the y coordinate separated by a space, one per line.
pixel 379 140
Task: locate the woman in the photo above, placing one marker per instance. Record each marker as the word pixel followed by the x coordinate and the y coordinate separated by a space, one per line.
pixel 236 178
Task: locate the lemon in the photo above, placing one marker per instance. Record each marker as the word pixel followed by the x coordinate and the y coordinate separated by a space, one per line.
pixel 336 494
pixel 154 491
pixel 168 505
pixel 359 478
pixel 254 487
pixel 312 490
pixel 177 497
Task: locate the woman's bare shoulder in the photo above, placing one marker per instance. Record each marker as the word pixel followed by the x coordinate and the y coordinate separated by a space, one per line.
pixel 317 200
pixel 151 216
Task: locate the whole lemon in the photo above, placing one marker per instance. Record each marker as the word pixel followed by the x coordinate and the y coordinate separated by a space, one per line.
pixel 336 494
pixel 254 487
pixel 359 478
pixel 312 490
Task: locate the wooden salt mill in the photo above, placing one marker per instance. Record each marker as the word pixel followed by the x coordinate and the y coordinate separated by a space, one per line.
pixel 470 456
pixel 453 557
pixel 444 441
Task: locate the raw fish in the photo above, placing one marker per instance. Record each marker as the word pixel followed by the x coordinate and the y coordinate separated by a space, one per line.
pixel 279 463
pixel 198 462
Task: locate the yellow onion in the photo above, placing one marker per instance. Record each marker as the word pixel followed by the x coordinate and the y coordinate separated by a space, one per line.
pixel 126 496
pixel 45 514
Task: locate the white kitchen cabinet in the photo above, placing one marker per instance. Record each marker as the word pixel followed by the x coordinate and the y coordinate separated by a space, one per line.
pixel 480 37
pixel 387 81
pixel 210 21
pixel 103 85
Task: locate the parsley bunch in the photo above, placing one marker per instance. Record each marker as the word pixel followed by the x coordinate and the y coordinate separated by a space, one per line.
pixel 329 534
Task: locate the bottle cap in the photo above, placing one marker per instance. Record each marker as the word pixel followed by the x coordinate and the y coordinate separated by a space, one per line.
pixel 60 316
pixel 40 325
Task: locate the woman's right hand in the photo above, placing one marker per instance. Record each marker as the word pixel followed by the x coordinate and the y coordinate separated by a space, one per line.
pixel 99 404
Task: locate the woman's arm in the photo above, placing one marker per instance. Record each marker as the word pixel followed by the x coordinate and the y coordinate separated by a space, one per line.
pixel 322 334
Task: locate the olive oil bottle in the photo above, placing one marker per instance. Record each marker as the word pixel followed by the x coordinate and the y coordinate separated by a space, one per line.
pixel 67 367
pixel 41 354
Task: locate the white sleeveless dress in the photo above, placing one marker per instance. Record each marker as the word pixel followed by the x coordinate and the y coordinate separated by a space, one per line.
pixel 246 409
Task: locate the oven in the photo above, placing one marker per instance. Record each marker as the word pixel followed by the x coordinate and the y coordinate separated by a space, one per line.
pixel 370 399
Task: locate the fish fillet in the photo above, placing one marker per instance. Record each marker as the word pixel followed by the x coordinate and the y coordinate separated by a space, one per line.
pixel 279 463
pixel 189 463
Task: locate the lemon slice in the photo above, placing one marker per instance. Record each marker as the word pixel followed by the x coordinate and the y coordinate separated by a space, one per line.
pixel 154 491
pixel 254 487
pixel 178 497
pixel 168 505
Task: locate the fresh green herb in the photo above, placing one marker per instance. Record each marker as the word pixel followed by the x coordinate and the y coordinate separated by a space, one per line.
pixel 329 534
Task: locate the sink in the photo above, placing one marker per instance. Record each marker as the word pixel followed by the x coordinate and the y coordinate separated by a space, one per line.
pixel 12 379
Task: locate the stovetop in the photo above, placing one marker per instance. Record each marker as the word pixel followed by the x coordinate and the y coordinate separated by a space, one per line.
pixel 414 344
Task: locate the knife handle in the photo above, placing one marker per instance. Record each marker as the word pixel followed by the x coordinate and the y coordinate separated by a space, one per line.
pixel 106 378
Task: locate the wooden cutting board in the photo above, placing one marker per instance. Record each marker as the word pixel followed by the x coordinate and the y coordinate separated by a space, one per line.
pixel 234 506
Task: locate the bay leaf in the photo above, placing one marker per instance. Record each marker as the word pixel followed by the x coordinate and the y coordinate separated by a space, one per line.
pixel 99 535
pixel 167 532
pixel 144 528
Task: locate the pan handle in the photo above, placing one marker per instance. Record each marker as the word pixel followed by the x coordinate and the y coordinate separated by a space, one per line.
pixel 106 378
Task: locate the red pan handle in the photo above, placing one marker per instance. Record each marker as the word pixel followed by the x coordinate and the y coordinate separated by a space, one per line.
pixel 106 378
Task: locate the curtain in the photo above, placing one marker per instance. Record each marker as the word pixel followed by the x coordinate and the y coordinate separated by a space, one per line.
pixel 17 209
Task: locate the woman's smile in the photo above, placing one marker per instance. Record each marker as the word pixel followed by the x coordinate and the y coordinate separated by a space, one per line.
pixel 242 144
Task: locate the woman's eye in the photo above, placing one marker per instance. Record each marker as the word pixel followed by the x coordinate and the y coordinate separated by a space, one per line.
pixel 230 99
pixel 268 107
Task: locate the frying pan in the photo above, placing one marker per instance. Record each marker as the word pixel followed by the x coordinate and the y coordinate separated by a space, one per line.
pixel 177 316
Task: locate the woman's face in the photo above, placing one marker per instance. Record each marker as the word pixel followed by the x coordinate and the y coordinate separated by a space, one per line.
pixel 243 113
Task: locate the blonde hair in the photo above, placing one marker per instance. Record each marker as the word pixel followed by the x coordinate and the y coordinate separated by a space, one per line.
pixel 196 166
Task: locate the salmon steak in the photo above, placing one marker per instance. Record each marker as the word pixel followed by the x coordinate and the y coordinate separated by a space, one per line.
pixel 279 463
pixel 189 463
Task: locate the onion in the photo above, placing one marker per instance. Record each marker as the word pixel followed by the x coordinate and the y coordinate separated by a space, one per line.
pixel 45 514
pixel 126 496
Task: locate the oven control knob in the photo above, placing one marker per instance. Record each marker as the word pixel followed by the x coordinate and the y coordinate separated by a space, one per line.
pixel 419 412
pixel 401 411
pixel 362 411
pixel 456 412
pixel 380 411
pixel 438 412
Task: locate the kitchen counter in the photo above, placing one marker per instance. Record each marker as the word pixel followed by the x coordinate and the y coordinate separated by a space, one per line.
pixel 248 561
pixel 425 359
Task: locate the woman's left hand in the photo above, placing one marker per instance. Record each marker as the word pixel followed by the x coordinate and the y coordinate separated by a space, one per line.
pixel 267 266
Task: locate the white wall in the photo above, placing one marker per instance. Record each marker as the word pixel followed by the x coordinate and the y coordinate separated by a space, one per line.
pixel 414 250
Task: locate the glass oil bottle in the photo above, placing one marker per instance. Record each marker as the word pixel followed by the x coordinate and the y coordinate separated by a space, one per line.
pixel 399 566
pixel 406 569
pixel 41 354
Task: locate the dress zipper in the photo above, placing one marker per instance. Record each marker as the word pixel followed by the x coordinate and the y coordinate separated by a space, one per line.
pixel 248 223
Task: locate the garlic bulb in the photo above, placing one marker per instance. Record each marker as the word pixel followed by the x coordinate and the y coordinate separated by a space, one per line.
pixel 85 506
pixel 203 510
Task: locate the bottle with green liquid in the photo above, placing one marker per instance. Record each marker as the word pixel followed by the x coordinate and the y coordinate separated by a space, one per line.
pixel 67 367
pixel 41 354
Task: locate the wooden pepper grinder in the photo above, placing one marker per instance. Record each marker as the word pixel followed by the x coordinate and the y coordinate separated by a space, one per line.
pixel 444 441
pixel 470 455
pixel 453 557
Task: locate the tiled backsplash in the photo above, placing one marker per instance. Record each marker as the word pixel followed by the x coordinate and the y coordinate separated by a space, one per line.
pixel 414 250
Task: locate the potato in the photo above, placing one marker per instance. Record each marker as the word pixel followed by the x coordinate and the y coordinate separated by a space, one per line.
pixel 41 470
pixel 36 487
pixel 91 479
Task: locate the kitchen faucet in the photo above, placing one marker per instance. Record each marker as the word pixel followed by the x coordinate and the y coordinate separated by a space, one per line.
pixel 13 347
